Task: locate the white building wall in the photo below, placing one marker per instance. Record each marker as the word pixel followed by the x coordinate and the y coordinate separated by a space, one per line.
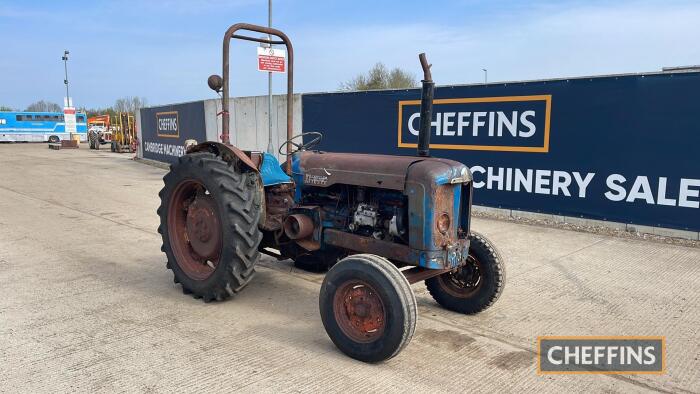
pixel 249 121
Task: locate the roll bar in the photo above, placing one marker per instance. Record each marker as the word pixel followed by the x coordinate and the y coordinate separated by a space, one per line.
pixel 283 39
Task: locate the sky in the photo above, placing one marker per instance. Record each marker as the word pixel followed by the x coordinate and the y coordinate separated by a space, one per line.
pixel 164 50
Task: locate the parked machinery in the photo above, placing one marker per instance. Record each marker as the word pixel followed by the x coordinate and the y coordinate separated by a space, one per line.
pixel 380 222
pixel 99 131
pixel 124 134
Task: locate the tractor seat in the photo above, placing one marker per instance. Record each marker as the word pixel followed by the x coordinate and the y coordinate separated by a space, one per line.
pixel 271 172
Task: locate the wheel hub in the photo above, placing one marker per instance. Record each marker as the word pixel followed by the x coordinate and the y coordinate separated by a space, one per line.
pixel 194 229
pixel 359 311
pixel 203 226
pixel 465 281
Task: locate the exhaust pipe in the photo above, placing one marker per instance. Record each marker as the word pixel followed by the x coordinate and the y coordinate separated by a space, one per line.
pixel 426 108
pixel 298 226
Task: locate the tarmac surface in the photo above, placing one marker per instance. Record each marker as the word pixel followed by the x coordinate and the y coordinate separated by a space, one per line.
pixel 88 305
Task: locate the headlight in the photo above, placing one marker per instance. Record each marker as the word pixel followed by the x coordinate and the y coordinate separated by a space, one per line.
pixel 443 223
pixel 463 176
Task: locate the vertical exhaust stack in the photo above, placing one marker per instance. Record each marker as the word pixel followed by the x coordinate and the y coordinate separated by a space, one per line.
pixel 426 108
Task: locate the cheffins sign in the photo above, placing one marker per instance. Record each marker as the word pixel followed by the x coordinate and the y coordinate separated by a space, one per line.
pixel 620 148
pixel 167 124
pixel 165 129
pixel 510 123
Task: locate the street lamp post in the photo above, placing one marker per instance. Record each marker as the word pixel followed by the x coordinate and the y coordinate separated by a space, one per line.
pixel 486 75
pixel 270 147
pixel 65 81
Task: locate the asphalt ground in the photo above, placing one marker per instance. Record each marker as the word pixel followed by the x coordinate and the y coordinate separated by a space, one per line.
pixel 87 304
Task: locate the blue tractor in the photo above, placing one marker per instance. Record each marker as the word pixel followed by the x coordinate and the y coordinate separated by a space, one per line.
pixel 379 223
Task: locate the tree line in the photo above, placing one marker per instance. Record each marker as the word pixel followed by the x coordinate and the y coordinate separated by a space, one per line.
pixel 128 104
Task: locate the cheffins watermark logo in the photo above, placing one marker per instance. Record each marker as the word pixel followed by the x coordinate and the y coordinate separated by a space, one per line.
pixel 601 355
pixel 168 124
pixel 511 123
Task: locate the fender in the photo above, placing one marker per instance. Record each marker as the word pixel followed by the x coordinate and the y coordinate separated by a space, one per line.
pixel 227 153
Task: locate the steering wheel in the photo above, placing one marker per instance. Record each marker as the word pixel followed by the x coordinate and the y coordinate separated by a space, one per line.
pixel 314 141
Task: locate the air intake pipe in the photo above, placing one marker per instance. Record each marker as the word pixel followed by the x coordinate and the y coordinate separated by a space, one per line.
pixel 426 108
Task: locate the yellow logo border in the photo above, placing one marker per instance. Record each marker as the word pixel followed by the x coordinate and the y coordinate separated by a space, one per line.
pixel 547 98
pixel 177 117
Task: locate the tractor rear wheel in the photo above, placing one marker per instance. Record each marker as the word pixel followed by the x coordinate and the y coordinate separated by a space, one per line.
pixel 92 140
pixel 209 216
pixel 475 286
pixel 368 308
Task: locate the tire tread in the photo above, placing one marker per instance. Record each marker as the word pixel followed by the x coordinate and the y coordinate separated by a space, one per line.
pixel 240 216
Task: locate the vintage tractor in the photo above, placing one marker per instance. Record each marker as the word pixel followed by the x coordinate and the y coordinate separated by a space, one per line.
pixel 381 223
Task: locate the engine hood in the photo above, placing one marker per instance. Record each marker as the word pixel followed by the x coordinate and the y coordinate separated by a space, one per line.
pixel 381 171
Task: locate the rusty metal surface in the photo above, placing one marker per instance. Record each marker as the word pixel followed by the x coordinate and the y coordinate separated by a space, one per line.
pixel 359 311
pixel 426 108
pixel 203 227
pixel 465 280
pixel 359 243
pixel 431 194
pixel 419 274
pixel 298 226
pixel 181 225
pixel 279 199
pixel 227 152
pixel 382 171
pixel 427 76
pixel 69 144
pixel 312 241
pixel 444 204
pixel 230 33
pixel 255 158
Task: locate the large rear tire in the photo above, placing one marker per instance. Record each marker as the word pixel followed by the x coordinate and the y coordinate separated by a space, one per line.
pixel 209 216
pixel 475 286
pixel 368 308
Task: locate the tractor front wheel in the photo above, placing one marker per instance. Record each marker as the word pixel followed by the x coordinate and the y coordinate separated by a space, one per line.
pixel 476 285
pixel 368 308
pixel 209 217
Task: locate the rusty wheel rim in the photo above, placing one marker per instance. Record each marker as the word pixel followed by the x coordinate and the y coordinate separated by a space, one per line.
pixel 194 229
pixel 465 280
pixel 359 311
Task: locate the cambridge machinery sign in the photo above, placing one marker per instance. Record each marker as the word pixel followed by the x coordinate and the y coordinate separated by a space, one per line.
pixel 165 130
pixel 511 123
pixel 618 148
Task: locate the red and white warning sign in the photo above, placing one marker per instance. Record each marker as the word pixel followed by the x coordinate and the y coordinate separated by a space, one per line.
pixel 271 60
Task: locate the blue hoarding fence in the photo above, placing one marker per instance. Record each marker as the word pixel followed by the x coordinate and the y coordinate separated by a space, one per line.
pixel 165 129
pixel 618 148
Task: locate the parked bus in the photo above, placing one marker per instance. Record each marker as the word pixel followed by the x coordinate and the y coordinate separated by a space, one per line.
pixel 39 126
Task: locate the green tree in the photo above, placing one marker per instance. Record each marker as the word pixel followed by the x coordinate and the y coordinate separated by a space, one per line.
pixel 4 108
pixel 380 77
